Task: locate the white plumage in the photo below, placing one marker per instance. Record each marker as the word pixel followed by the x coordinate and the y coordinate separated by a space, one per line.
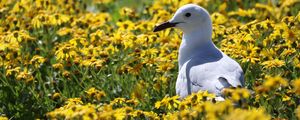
pixel 202 66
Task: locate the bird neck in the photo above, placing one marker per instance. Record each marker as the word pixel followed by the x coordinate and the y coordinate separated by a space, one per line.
pixel 196 44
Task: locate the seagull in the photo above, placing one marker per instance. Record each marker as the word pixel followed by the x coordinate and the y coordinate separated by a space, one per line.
pixel 202 66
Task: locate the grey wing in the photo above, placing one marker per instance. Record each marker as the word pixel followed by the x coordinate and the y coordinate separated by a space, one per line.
pixel 235 78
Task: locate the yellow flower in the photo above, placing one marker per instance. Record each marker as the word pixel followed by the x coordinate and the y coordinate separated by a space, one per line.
pixel 37 61
pixel 66 73
pixel 272 83
pixel 144 26
pixel 296 85
pixel 10 72
pixel 296 61
pixel 243 13
pixel 222 7
pixel 93 92
pixel 286 98
pixel 19 36
pixel 253 114
pixel 125 11
pixel 56 95
pixel 134 102
pixel 58 66
pixel 269 9
pixel 39 21
pixel 58 19
pixel 3 118
pixel 111 49
pixel 218 18
pixel 287 3
pixel 250 54
pixel 78 42
pixel 149 52
pixel 161 16
pixel 101 1
pixel 297 111
pixel 25 75
pixel 66 52
pixel 72 101
pixel 269 53
pixel 267 24
pixel 168 102
pixel 74 111
pixel 126 25
pixel 64 31
pixel 164 67
pixel 151 115
pixel 273 63
pixel 97 36
pixel 118 101
pixel 199 97
pixel 93 62
pixel 237 94
pixel 158 104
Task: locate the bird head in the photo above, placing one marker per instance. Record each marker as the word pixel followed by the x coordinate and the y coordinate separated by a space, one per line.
pixel 188 18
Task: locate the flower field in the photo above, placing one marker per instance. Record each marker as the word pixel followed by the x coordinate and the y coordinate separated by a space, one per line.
pixel 99 59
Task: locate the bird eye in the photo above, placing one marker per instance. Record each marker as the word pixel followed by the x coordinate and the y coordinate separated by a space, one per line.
pixel 187 14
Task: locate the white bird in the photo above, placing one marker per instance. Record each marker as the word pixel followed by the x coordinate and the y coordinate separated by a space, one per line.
pixel 202 66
